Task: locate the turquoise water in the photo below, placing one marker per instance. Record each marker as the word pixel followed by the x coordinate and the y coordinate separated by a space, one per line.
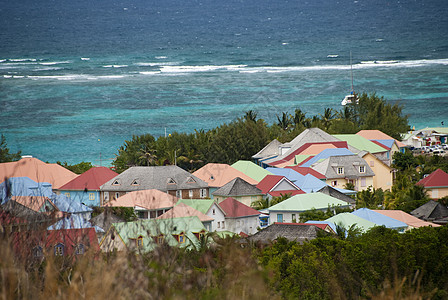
pixel 78 78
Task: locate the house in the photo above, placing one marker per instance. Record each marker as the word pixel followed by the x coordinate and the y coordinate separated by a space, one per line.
pixel 384 174
pixel 168 179
pixel 216 175
pixel 210 208
pixel 349 220
pixel 275 186
pixel 240 190
pixel 73 221
pixel 410 220
pixel 326 153
pixel 289 210
pixel 380 219
pixel 270 151
pixel 17 217
pixel 36 203
pixel 240 217
pixel 340 170
pixel 380 138
pixel 330 191
pixel 148 204
pixel 436 184
pixel 363 144
pixel 72 207
pixel 182 210
pixel 432 211
pixel 66 242
pixel 327 226
pixel 86 187
pixel 146 235
pixel 37 170
pixel 305 171
pixel 252 170
pixel 307 183
pixel 291 231
pixel 104 220
pixel 432 135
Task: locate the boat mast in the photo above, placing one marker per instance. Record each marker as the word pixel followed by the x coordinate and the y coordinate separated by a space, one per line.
pixel 351 72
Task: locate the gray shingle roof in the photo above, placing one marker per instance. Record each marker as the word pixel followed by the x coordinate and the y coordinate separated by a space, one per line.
pixel 237 187
pixel 162 178
pixel 432 211
pixel 350 163
pixel 292 232
pixel 328 190
pixel 270 149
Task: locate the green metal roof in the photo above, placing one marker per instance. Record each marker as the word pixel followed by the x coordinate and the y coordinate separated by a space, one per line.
pixel 360 143
pixel 301 157
pixel 155 227
pixel 346 220
pixel 202 205
pixel 304 202
pixel 252 170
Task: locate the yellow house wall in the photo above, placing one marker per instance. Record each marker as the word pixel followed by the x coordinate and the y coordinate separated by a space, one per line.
pixel 108 244
pixel 341 182
pixel 247 200
pixel 383 174
pixel 437 193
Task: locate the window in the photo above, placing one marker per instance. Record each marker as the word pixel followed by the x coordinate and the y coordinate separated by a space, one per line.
pixel 334 183
pixel 190 193
pixel 106 196
pixel 179 194
pixel 293 218
pixel 171 181
pixel 362 169
pixel 219 224
pixel 59 249
pixel 140 241
pixel 372 163
pixel 117 194
pixel 191 180
pixel 223 224
pixel 280 218
pixel 91 196
pixel 363 181
pixel 203 193
pixel 181 238
pixel 67 195
pixel 212 178
pixel 213 211
pixel 80 249
pixel 153 214
pixel 340 170
pixel 116 182
pixel 160 239
pixel 38 252
pixel 135 182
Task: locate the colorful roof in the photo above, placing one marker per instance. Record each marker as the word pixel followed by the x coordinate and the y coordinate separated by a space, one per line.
pixel 304 202
pixel 380 219
pixel 90 180
pixel 438 178
pixel 148 199
pixel 23 186
pixel 305 171
pixel 325 154
pixel 236 209
pixel 374 134
pixel 406 218
pixel 74 221
pixel 183 210
pixel 216 175
pixel 37 170
pixel 386 144
pixel 250 169
pixel 36 203
pixel 347 220
pixel 360 143
pixel 66 205
pixel 272 182
pixel 203 205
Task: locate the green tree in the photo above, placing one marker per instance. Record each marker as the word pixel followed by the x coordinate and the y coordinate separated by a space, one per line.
pixel 371 198
pixel 5 156
pixel 284 121
pixel 77 168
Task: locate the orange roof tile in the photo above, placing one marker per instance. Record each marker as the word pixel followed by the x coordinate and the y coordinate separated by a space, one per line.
pixel 217 175
pixel 148 199
pixel 374 134
pixel 38 171
pixel 182 210
pixel 405 218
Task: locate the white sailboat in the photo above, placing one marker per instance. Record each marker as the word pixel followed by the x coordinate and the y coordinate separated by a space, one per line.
pixel 350 98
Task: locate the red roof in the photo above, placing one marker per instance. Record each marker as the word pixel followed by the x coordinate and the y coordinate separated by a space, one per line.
pixel 91 180
pixel 305 170
pixel 236 209
pixel 339 144
pixel 438 178
pixel 270 181
pixel 381 145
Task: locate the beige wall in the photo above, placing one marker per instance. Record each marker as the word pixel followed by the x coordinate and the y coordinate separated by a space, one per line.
pixel 383 174
pixel 341 182
pixel 247 200
pixel 437 193
pixel 108 244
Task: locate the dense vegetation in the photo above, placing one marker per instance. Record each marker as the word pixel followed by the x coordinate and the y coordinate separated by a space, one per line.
pixel 5 155
pixel 376 265
pixel 247 135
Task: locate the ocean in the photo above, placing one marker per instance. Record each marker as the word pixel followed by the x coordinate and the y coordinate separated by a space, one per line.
pixel 78 78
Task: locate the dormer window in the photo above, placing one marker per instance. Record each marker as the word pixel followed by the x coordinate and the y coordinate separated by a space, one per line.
pixel 116 182
pixel 135 182
pixel 191 180
pixel 340 170
pixel 362 169
pixel 212 177
pixel 171 181
pixel 80 249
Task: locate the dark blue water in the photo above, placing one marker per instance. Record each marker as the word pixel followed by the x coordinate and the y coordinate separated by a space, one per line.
pixel 79 77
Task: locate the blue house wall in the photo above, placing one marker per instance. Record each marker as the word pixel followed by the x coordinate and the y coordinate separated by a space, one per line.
pixel 89 198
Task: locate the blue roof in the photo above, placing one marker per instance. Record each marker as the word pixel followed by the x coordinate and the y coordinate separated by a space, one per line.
pixel 65 204
pixel 387 143
pixel 326 154
pixel 379 219
pixel 292 175
pixel 24 186
pixel 73 222
pixel 310 184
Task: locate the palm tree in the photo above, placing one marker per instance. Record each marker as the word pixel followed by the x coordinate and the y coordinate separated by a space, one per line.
pixel 299 117
pixel 148 156
pixel 327 117
pixel 285 121
pixel 250 115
